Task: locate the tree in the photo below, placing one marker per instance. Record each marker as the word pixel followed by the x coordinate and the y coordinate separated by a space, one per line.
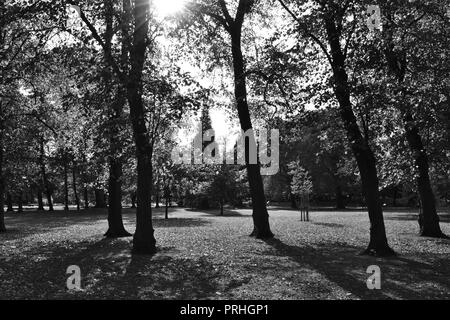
pixel 143 239
pixel 403 40
pixel 301 183
pixel 316 141
pixel 115 222
pixel 223 187
pixel 19 51
pixel 329 17
pixel 233 26
pixel 134 28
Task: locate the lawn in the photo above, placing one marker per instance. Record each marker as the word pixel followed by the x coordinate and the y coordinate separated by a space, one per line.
pixel 206 256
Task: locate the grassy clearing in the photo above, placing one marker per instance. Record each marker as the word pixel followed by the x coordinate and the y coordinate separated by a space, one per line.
pixel 205 256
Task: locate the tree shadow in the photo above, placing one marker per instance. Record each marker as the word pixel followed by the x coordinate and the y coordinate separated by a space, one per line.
pixel 328 224
pixel 20 226
pixel 54 218
pixel 33 224
pixel 108 271
pixel 443 218
pixel 165 277
pixel 404 278
pixel 216 212
pixel 179 222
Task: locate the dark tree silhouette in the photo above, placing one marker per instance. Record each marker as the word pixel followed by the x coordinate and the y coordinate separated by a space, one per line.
pixel 332 22
pixel 233 26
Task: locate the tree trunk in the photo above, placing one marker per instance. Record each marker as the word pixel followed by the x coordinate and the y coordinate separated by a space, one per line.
pixel 2 186
pixel 221 207
pixel 133 200
pixel 293 202
pixel 86 198
pixel 2 203
pixel 40 200
pixel 157 195
pixel 100 198
pixel 116 228
pixel 340 200
pixel 49 199
pixel 48 191
pixel 167 208
pixel 20 202
pixel 30 197
pixel 261 227
pixel 66 185
pixel 428 218
pixel 143 241
pixel 9 203
pixel 394 200
pixel 364 156
pixel 74 186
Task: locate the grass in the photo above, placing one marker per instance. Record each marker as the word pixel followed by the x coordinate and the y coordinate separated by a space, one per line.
pixel 206 256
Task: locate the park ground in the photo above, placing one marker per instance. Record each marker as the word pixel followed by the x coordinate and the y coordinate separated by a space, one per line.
pixel 203 255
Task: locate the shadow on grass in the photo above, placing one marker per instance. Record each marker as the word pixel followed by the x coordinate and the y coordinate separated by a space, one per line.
pixel 443 218
pixel 108 271
pixel 216 212
pixel 55 218
pixel 402 278
pixel 317 209
pixel 19 226
pixel 179 222
pixel 328 224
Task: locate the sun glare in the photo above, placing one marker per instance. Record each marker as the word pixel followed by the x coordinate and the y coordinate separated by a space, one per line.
pixel 168 7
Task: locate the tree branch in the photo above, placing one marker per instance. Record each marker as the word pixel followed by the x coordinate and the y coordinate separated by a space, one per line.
pixel 306 31
pixel 109 58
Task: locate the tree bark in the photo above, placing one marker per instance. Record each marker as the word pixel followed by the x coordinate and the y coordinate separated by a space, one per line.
pixel 133 200
pixel 20 202
pixel 74 186
pixel 86 198
pixel 116 228
pixel 340 201
pixel 9 203
pixel 293 202
pixel 365 158
pixel 2 186
pixel 167 208
pixel 66 185
pixel 394 199
pixel 157 194
pixel 40 200
pixel 261 227
pixel 428 217
pixel 143 241
pixel 46 185
pixel 2 209
pixel 100 198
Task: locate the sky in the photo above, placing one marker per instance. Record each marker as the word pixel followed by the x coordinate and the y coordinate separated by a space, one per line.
pixel 165 8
